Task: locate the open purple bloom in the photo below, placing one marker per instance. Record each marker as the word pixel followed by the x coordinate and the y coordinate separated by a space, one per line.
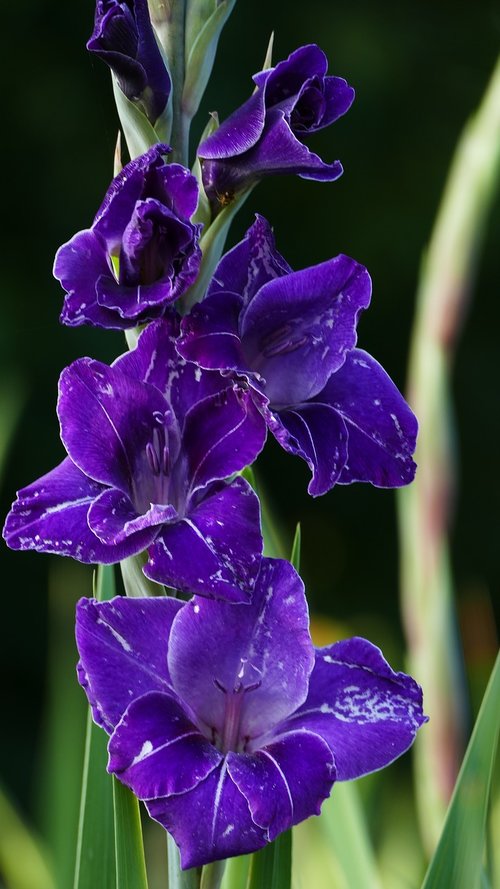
pixel 292 337
pixel 227 721
pixel 123 37
pixel 151 441
pixel 141 252
pixel 266 135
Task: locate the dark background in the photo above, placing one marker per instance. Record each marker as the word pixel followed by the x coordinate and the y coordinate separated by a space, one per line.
pixel 419 69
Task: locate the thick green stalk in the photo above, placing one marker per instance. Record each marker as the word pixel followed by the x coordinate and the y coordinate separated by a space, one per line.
pixel 169 20
pixel 211 875
pixel 424 507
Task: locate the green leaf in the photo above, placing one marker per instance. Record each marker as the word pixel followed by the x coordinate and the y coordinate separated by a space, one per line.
pixel 177 878
pixel 129 847
pixel 295 557
pixel 201 54
pixel 139 134
pixel 212 245
pixel 95 858
pixel 95 854
pixel 271 867
pixel 343 826
pixel 236 873
pixel 458 859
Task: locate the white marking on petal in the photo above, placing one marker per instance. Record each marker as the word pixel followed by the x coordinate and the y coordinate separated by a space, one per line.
pixel 146 749
pixel 123 642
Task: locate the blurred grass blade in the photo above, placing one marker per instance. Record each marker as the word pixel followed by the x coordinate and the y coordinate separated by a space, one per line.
pixel 129 847
pixel 344 828
pixel 62 743
pixel 177 878
pixel 95 853
pixel 23 864
pixel 425 506
pixel 271 867
pixel 236 873
pixel 458 860
pixel 297 540
pixel 12 401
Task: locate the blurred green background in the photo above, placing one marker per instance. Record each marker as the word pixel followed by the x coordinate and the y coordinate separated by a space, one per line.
pixel 419 69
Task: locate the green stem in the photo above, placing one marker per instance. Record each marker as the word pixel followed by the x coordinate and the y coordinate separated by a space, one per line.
pixel 424 507
pixel 212 874
pixel 177 878
pixel 169 20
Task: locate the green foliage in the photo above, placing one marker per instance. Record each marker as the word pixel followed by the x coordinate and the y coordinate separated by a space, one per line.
pixel 95 855
pixel 271 867
pixel 203 28
pixel 129 848
pixel 458 860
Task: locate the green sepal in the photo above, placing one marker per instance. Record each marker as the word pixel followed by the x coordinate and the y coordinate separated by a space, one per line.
pixel 212 244
pixel 204 22
pixel 139 134
pixel 136 584
pixel 203 212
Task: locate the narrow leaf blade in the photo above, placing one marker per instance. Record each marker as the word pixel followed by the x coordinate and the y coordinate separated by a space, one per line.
pixel 129 846
pixel 458 859
pixel 95 857
pixel 297 540
pixel 272 866
pixel 344 828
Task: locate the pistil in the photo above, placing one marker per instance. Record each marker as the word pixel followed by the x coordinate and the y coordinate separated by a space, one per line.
pixel 233 711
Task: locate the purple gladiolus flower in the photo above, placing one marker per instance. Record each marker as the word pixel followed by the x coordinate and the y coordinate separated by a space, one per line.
pixel 291 336
pixel 227 721
pixel 123 37
pixel 151 441
pixel 266 135
pixel 141 252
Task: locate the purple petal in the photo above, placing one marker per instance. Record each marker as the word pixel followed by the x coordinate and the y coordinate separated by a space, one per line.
pixel 179 189
pixel 222 434
pixel 382 429
pixel 123 652
pixel 316 433
pixel 237 133
pixel 287 78
pixel 50 516
pixel 339 97
pixel 119 201
pixel 297 329
pixel 78 265
pixel 113 518
pixel 123 38
pixel 156 361
pixel 107 419
pixel 368 714
pixel 210 333
pixel 210 822
pixel 265 643
pixel 156 750
pixel 216 549
pixel 286 781
pixel 251 264
pixel 137 303
pixel 279 151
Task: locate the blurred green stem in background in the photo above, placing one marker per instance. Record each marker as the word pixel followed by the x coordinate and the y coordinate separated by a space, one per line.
pixel 23 862
pixel 425 507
